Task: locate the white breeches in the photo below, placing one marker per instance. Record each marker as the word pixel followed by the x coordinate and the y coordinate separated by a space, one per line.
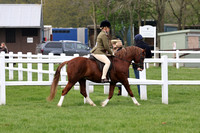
pixel 103 58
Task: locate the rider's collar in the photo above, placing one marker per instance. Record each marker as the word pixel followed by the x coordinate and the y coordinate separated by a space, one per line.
pixel 105 32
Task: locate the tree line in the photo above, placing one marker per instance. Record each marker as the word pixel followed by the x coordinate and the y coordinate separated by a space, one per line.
pixel 122 14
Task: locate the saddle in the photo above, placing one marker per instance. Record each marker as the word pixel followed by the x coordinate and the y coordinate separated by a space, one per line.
pixel 101 64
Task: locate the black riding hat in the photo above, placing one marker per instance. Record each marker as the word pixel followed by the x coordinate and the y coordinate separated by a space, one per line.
pixel 105 23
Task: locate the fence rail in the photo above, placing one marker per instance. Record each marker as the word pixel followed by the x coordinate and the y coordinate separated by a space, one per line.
pixel 176 55
pixel 29 59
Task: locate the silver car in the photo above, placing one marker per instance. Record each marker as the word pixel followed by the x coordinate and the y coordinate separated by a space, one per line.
pixel 66 46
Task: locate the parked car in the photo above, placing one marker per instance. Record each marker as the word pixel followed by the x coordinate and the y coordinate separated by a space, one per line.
pixel 66 46
pixel 39 47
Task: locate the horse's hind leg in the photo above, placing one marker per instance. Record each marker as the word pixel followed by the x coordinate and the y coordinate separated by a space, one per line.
pixel 82 83
pixel 64 92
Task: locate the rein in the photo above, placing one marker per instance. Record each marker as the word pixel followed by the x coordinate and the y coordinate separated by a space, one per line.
pixel 123 59
pixel 139 64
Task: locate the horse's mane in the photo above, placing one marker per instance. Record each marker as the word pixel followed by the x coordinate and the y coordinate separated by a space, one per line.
pixel 128 50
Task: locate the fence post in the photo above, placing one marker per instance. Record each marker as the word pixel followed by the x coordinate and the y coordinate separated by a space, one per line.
pixel 29 66
pixel 11 66
pixel 63 70
pixel 76 87
pixel 20 72
pixel 51 68
pixel 165 79
pixel 106 88
pixel 177 58
pixel 2 80
pixel 124 92
pixel 39 56
pixel 147 65
pixel 91 88
pixel 143 88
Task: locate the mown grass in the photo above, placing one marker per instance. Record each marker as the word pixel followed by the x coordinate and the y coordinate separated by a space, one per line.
pixel 27 110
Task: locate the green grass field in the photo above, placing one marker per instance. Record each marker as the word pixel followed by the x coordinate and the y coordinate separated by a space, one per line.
pixel 27 111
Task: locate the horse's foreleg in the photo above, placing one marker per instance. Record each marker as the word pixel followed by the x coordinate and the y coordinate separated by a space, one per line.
pixel 104 103
pixel 111 91
pixel 135 101
pixel 64 92
pixel 82 83
pixel 127 86
pixel 88 100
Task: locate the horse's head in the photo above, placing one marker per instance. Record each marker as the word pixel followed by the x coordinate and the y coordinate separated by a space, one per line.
pixel 132 53
pixel 139 59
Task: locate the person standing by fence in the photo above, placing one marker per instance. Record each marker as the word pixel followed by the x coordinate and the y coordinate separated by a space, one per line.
pixel 3 47
pixel 140 43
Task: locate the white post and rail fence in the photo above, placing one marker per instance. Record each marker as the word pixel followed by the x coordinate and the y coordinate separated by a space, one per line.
pixel 176 53
pixel 25 64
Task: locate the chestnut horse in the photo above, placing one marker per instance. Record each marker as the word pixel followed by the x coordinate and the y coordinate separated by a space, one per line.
pixel 81 69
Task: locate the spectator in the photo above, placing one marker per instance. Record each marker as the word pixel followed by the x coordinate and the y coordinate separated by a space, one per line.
pixel 140 43
pixel 3 47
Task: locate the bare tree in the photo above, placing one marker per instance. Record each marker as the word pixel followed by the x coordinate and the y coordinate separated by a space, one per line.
pixel 159 14
pixel 94 19
pixel 139 7
pixel 180 16
pixel 195 6
pixel 123 7
pixel 104 8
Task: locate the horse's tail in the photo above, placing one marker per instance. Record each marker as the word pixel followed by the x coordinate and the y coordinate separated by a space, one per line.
pixel 55 81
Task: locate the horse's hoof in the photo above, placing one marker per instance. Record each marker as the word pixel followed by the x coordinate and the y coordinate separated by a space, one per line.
pixel 103 105
pixel 59 105
pixel 93 104
pixel 137 104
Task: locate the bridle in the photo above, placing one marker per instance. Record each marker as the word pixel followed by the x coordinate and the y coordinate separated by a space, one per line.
pixel 140 64
pixel 123 59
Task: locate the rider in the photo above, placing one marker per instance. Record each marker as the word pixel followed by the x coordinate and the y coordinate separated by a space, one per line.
pixel 102 48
